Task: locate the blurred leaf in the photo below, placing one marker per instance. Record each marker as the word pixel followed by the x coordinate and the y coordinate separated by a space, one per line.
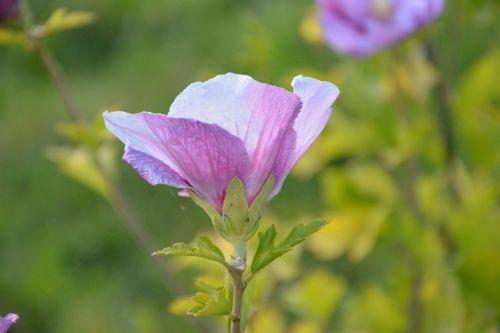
pixel 359 184
pixel 62 19
pixel 416 77
pixel 310 29
pixel 12 37
pixel 479 88
pixel 204 249
pixel 442 303
pixel 181 306
pixel 79 164
pixel 258 45
pixel 268 320
pixel 316 296
pixel 336 143
pixel 267 251
pixel 354 233
pixel 88 134
pixel 306 327
pixel 373 310
pixel 210 301
pixel 478 112
pixel 433 197
pixel 476 233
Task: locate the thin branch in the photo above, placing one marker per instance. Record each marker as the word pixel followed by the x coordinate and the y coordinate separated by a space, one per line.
pixel 408 185
pixel 409 179
pixel 446 122
pixel 239 286
pixel 118 200
pixel 57 76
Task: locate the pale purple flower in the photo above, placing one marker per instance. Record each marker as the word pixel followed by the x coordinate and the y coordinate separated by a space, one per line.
pixel 362 27
pixel 7 321
pixel 8 9
pixel 229 126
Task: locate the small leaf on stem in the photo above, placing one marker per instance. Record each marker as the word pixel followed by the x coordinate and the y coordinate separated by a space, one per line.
pixel 211 301
pixel 267 251
pixel 62 19
pixel 204 248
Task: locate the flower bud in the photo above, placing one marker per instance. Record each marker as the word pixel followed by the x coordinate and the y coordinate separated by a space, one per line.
pixel 9 9
pixel 7 321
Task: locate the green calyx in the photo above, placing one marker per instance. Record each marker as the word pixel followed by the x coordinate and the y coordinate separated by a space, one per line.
pixel 238 222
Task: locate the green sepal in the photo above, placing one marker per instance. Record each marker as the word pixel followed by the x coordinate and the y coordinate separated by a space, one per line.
pixel 267 251
pixel 210 301
pixel 238 222
pixel 214 215
pixel 204 248
pixel 235 210
pixel 259 202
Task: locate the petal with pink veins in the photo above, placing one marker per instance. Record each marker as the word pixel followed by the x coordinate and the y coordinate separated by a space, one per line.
pixel 204 156
pixel 257 113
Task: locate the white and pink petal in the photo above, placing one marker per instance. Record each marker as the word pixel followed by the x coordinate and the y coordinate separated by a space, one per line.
pixel 257 113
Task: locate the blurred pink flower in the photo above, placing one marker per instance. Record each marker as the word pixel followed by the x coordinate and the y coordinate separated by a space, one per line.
pixel 229 126
pixel 7 321
pixel 362 27
pixel 8 9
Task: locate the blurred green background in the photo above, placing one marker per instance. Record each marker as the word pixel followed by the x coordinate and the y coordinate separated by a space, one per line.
pixel 68 263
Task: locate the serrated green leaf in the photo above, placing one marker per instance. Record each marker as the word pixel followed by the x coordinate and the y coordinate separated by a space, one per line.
pixel 266 244
pixel 62 19
pixel 267 252
pixel 204 248
pixel 212 301
pixel 301 232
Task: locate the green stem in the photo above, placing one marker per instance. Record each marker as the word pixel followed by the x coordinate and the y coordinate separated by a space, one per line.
pixel 57 76
pixel 408 184
pixel 238 291
pixel 446 122
pixel 236 269
pixel 410 168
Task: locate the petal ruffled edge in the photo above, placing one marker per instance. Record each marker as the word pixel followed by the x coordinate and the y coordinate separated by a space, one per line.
pixel 317 100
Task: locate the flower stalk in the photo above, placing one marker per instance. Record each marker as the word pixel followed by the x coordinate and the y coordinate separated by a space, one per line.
pixel 236 270
pixel 118 199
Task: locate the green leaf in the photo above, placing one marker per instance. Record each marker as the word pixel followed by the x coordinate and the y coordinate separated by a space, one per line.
pixel 205 248
pixel 267 252
pixel 62 19
pixel 211 301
